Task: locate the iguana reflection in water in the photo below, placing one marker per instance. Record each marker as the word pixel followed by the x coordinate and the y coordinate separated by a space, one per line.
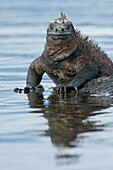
pixel 65 117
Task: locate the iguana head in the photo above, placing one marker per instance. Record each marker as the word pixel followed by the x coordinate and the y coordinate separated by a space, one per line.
pixel 60 28
pixel 60 39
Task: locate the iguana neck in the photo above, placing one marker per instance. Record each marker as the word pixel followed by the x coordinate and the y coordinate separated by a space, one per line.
pixel 57 50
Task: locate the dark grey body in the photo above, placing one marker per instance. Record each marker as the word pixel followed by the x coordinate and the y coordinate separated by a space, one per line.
pixel 70 72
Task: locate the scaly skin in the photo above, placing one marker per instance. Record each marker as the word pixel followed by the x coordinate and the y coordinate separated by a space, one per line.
pixel 68 59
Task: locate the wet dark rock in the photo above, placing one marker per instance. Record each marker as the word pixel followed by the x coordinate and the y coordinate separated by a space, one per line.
pixel 102 85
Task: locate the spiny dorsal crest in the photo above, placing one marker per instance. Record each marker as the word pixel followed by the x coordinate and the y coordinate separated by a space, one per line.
pixel 62 19
pixel 87 40
pixel 62 16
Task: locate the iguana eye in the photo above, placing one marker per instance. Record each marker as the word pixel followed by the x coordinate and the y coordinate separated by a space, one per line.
pixel 56 30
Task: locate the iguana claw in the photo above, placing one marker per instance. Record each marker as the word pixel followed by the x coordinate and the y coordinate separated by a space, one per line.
pixel 66 87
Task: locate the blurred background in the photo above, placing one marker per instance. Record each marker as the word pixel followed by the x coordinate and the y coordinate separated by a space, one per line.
pixel 29 137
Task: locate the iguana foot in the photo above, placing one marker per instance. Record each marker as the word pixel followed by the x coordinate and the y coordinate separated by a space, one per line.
pixel 18 90
pixel 28 89
pixel 38 88
pixel 66 88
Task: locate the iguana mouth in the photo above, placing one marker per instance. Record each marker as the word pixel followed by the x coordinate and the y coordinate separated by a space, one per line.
pixel 59 35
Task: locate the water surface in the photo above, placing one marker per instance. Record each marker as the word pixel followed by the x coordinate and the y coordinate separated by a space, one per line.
pixel 41 131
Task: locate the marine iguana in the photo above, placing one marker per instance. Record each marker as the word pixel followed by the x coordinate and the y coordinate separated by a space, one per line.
pixel 69 59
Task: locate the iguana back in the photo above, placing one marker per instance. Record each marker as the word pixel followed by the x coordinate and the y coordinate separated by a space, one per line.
pixel 93 52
